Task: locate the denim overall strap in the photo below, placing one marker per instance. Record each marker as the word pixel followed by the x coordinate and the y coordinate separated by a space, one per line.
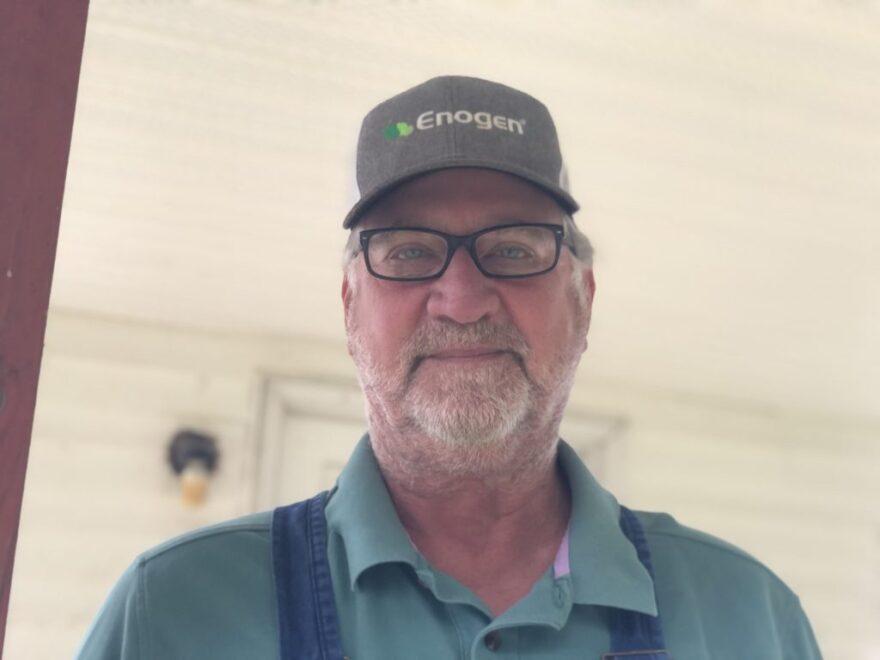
pixel 634 635
pixel 307 624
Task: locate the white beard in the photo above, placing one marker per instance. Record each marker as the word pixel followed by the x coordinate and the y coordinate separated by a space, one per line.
pixel 468 405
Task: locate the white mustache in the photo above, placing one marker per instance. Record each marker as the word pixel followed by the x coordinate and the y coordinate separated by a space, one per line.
pixel 447 335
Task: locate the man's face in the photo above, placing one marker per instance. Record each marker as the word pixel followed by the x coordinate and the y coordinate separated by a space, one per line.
pixel 465 359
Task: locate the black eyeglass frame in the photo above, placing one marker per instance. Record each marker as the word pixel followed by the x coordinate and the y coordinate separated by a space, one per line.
pixel 453 242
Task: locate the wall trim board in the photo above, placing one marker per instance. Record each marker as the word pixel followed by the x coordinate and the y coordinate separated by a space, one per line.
pixel 41 45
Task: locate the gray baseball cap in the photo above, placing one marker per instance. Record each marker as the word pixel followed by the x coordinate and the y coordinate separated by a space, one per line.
pixel 457 121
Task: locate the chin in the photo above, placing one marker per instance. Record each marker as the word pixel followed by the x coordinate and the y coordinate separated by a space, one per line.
pixel 468 411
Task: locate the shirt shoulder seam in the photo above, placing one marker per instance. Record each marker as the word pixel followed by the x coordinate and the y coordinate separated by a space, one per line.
pixel 198 535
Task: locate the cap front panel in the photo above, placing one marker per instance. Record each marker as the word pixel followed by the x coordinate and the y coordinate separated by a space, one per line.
pixel 456 121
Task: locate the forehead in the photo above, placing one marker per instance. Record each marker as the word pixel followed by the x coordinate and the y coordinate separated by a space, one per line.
pixel 462 199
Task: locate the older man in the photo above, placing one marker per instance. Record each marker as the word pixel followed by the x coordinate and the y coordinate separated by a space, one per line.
pixel 462 526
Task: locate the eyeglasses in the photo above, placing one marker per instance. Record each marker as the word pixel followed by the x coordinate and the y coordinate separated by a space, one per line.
pixel 409 254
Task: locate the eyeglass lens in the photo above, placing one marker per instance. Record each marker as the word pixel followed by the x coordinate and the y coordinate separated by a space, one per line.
pixel 508 251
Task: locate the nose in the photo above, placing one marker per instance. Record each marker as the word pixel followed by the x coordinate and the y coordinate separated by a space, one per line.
pixel 463 294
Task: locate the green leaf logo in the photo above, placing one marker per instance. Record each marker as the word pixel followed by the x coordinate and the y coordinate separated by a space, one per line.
pixel 398 130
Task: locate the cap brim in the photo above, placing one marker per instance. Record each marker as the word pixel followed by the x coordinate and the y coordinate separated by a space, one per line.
pixel 562 196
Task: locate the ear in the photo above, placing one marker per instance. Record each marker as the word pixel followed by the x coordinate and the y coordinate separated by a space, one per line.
pixel 346 294
pixel 590 289
pixel 589 284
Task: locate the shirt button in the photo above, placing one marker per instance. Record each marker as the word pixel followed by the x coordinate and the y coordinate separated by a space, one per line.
pixel 492 641
pixel 558 595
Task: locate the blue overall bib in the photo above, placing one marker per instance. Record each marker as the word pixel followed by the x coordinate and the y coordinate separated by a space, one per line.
pixel 307 623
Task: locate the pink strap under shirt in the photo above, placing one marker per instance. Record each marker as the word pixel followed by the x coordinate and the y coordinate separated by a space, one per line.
pixel 561 565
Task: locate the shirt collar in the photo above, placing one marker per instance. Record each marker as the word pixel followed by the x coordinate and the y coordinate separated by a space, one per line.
pixel 360 510
pixel 605 569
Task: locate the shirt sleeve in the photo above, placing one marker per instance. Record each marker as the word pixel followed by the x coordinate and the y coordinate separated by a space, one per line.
pixel 117 630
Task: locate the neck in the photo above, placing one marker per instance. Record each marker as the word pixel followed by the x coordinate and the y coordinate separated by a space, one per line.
pixel 493 518
pixel 472 510
pixel 416 463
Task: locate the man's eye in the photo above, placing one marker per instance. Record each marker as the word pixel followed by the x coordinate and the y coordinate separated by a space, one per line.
pixel 511 252
pixel 409 253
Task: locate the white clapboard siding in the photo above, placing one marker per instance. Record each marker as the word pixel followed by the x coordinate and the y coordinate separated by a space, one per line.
pixel 99 490
pixel 799 492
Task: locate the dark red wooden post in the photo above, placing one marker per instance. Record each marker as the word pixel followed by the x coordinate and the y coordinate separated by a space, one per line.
pixel 40 51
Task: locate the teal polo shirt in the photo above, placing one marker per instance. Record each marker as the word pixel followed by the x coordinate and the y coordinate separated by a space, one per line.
pixel 210 593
